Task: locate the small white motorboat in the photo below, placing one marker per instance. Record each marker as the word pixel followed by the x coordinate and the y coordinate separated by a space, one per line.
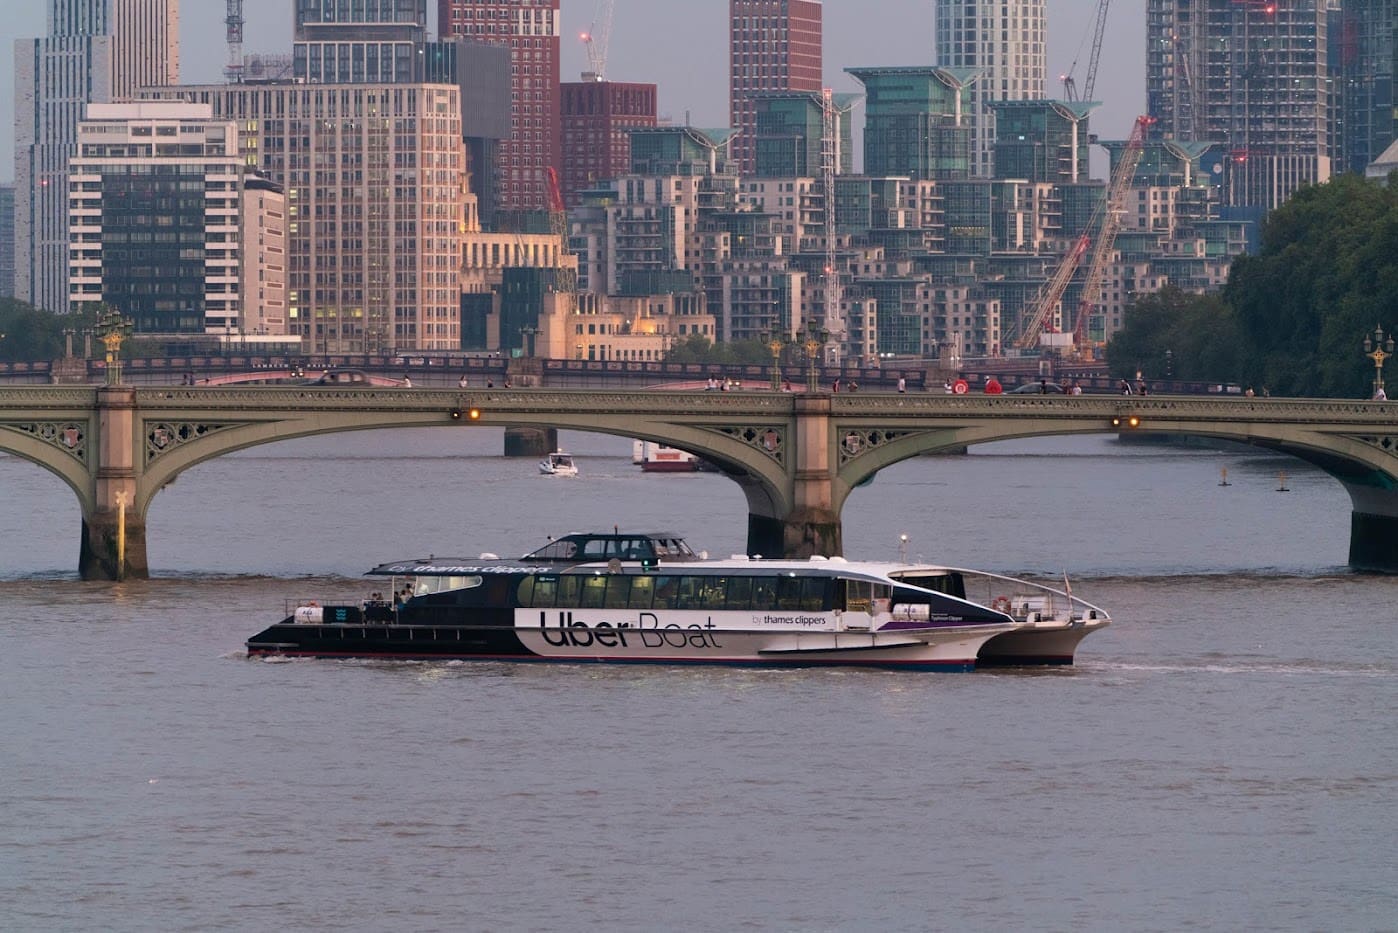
pixel 558 464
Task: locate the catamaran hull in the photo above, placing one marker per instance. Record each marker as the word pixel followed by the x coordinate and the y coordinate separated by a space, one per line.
pixel 1035 646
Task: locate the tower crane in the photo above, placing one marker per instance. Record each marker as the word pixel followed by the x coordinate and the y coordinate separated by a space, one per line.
pixel 1070 86
pixel 829 159
pixel 1112 207
pixel 1107 213
pixel 1052 293
pixel 233 20
pixel 558 226
pixel 596 39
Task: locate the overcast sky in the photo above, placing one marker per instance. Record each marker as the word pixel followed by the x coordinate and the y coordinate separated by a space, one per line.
pixel 681 45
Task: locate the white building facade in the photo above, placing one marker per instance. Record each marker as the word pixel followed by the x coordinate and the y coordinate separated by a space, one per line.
pixel 154 220
pixel 1006 41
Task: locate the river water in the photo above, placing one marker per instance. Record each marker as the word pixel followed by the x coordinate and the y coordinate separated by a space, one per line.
pixel 1222 757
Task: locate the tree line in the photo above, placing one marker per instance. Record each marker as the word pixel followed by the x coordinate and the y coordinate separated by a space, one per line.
pixel 1293 317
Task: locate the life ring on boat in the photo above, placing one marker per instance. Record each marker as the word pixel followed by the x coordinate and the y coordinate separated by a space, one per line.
pixel 1001 604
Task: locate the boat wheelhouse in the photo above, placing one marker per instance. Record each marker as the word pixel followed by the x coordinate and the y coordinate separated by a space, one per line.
pixel 648 547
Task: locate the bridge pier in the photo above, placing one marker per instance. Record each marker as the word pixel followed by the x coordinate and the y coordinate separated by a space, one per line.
pixel 530 442
pixel 114 532
pixel 812 527
pixel 113 549
pixel 1373 529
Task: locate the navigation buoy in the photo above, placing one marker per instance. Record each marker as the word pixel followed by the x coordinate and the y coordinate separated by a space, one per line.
pixel 1224 480
pixel 1281 482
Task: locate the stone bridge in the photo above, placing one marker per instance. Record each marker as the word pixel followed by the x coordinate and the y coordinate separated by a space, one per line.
pixel 796 456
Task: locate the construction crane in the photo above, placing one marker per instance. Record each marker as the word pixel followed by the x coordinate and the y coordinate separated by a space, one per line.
pixel 1052 293
pixel 233 20
pixel 596 39
pixel 558 226
pixel 1070 86
pixel 1111 208
pixel 829 157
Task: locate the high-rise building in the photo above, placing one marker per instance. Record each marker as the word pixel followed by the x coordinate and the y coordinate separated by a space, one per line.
pixel 1041 140
pixel 773 45
pixel 96 50
pixel 7 241
pixel 530 28
pixel 154 216
pixel 789 134
pixel 371 41
pixel 1362 63
pixel 597 119
pixel 1006 43
pixel 374 205
pixel 1250 76
pixel 916 124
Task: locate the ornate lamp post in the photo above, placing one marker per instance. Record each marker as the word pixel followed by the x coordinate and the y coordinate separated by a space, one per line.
pixel 815 340
pixel 1378 350
pixel 112 328
pixel 775 341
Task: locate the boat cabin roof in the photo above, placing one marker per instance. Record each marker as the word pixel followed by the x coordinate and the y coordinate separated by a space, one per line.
pixel 571 549
pixel 740 566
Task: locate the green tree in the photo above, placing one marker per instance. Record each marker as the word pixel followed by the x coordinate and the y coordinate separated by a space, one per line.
pixel 697 348
pixel 1177 333
pixel 1325 276
pixel 31 334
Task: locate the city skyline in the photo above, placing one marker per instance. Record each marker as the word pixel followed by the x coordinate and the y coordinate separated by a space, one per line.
pixel 692 74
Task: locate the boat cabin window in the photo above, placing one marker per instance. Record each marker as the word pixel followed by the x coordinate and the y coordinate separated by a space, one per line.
pixel 559 550
pixel 739 592
pixel 622 548
pixel 426 585
pixel 594 592
pixel 642 591
pixel 953 584
pixel 860 595
pixel 685 592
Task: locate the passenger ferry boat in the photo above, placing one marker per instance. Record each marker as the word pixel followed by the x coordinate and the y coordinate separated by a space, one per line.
pixel 558 464
pixel 618 598
pixel 657 458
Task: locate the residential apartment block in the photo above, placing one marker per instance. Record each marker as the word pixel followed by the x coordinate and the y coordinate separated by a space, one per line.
pixel 597 119
pixel 1005 44
pixel 374 178
pixel 773 46
pixel 530 30
pixel 96 51
pixel 1251 77
pixel 155 217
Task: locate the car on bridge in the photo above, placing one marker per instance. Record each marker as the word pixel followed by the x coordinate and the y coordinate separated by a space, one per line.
pixel 1043 387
